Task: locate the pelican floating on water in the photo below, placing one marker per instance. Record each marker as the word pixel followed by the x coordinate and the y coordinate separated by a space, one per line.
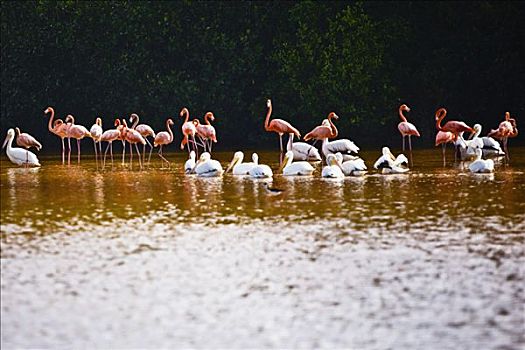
pixel 354 167
pixel 190 163
pixel 260 171
pixel 16 155
pixel 302 150
pixel 343 146
pixel 240 168
pixel 390 164
pixel 332 170
pixel 298 168
pixel 207 167
pixel 480 165
pixel 490 148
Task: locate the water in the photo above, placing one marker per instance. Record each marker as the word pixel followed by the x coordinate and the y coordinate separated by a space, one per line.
pixel 118 258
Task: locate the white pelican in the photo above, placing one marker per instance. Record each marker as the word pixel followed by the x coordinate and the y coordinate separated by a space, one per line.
pixel 240 168
pixel 481 166
pixel 490 148
pixel 302 150
pixel 190 163
pixel 391 165
pixel 298 168
pixel 261 171
pixel 354 167
pixel 16 155
pixel 207 167
pixel 343 146
pixel 332 170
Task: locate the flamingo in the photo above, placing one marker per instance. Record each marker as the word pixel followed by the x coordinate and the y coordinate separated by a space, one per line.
pixel 27 141
pixel 165 138
pixel 442 138
pixel 302 150
pixel 390 164
pixel 406 128
pixel 207 167
pixel 333 169
pixel 190 163
pixel 504 131
pixel 353 167
pixel 206 132
pixel 96 133
pixel 59 129
pixel 133 137
pixel 19 156
pixel 145 130
pixel 109 136
pixel 480 165
pixel 324 131
pixel 240 168
pixel 77 132
pixel 278 125
pixel 298 168
pixel 452 126
pixel 188 129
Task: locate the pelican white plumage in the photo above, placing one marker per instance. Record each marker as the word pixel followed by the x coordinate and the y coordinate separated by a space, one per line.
pixel 302 150
pixel 260 171
pixel 207 167
pixel 240 168
pixel 490 148
pixel 480 165
pixel 353 167
pixel 298 168
pixel 17 155
pixel 343 146
pixel 190 163
pixel 390 164
pixel 332 170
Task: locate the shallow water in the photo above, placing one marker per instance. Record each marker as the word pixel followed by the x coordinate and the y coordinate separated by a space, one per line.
pixel 155 258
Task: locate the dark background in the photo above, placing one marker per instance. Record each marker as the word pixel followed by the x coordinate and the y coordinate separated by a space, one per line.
pixel 359 59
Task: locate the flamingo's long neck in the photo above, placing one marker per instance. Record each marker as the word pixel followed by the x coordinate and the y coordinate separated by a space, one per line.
pixel 333 130
pixel 72 119
pixel 267 121
pixel 187 113
pixel 403 118
pixel 507 116
pixel 440 115
pixel 135 119
pixel 50 124
pixel 169 129
pixel 206 119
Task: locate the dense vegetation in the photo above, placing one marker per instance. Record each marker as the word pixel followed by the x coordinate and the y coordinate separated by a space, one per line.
pixel 360 60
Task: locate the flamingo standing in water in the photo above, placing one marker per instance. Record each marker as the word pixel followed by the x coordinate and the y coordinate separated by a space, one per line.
pixel 96 133
pixel 27 141
pixel 77 132
pixel 442 138
pixel 133 137
pixel 452 126
pixel 188 129
pixel 165 138
pixel 278 125
pixel 109 136
pixel 145 131
pixel 206 132
pixel 406 129
pixel 58 128
pixel 324 131
pixel 505 130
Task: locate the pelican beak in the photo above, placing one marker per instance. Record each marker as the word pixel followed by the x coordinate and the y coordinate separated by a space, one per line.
pixel 391 155
pixel 232 164
pixel 285 160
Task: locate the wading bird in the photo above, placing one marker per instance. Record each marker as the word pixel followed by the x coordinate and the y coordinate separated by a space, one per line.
pixel 96 133
pixel 452 126
pixel 240 168
pixel 26 141
pixel 109 136
pixel 145 131
pixel 188 130
pixel 133 137
pixel 490 148
pixel 324 131
pixel 298 168
pixel 505 130
pixel 279 126
pixel 480 165
pixel 58 128
pixel 164 138
pixel 207 167
pixel 390 164
pixel 206 132
pixel 302 150
pixel 332 170
pixel 442 138
pixel 19 156
pixel 406 128
pixel 77 132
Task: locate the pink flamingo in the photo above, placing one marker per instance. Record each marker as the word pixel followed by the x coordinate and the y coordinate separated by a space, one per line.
pixel 58 128
pixel 77 132
pixel 279 126
pixel 453 126
pixel 324 131
pixel 406 128
pixel 164 138
pixel 188 129
pixel 27 141
pixel 109 136
pixel 96 133
pixel 145 131
pixel 133 137
pixel 506 129
pixel 206 132
pixel 442 138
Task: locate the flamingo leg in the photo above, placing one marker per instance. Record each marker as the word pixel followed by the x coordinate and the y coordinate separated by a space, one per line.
pixel 150 150
pixel 403 136
pixel 123 152
pixel 137 149
pixel 410 148
pixel 111 152
pixel 144 154
pixel 195 145
pixel 63 152
pixel 106 152
pixel 130 155
pixel 281 142
pixel 443 146
pixel 69 151
pixel 96 156
pixel 160 154
pixel 507 155
pixel 78 148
